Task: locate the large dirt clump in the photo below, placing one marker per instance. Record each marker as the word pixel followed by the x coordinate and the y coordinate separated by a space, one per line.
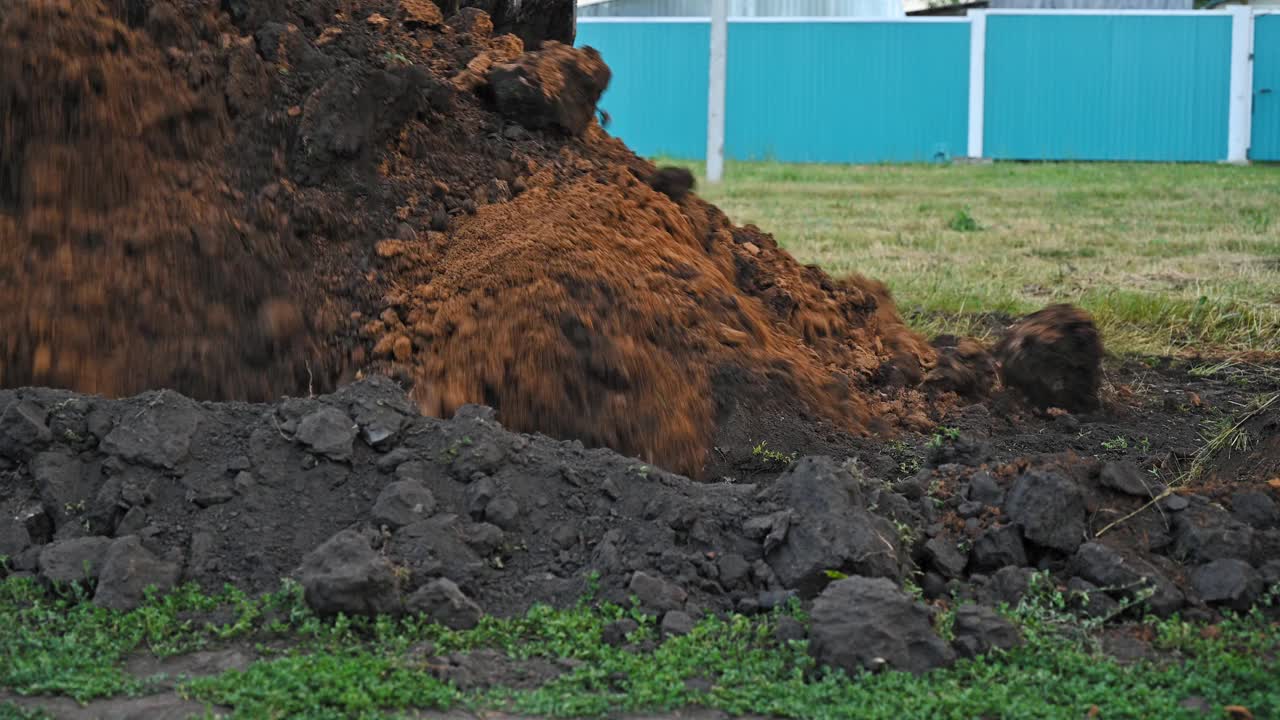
pixel 245 200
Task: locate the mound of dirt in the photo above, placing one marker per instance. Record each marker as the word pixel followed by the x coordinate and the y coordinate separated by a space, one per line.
pixel 246 200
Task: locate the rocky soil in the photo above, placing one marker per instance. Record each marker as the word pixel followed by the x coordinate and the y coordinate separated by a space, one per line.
pixel 374 508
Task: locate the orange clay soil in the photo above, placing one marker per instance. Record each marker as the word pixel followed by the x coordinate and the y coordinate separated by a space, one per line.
pixel 248 205
pixel 597 309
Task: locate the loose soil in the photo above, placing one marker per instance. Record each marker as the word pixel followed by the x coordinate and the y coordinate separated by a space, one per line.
pixel 273 200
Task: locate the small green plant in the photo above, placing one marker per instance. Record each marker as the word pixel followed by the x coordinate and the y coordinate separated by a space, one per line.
pixel 906 534
pixel 836 575
pixel 944 434
pixel 912 587
pixel 396 57
pixel 772 457
pixel 1118 442
pixel 962 221
pixel 593 586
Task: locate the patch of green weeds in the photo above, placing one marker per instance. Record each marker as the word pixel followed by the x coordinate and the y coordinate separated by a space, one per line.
pixel 10 711
pixel 906 457
pixel 942 436
pixel 361 668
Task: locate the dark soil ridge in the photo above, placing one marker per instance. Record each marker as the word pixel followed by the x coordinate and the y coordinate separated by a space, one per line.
pixel 161 489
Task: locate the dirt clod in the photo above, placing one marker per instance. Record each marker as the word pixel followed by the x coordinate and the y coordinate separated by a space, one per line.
pixel 128 569
pixel 1054 357
pixel 673 182
pixel 443 602
pixel 864 624
pixel 979 630
pixel 345 575
pixel 1049 509
pixel 557 86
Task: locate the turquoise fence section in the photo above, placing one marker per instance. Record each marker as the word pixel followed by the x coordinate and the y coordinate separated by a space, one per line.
pixel 1107 87
pixel 1137 87
pixel 847 92
pixel 657 100
pixel 1265 144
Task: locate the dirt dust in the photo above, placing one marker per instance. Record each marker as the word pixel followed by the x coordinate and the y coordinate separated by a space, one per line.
pixel 248 200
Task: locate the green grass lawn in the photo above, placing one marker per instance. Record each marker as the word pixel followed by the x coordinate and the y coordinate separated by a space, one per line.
pixel 1168 258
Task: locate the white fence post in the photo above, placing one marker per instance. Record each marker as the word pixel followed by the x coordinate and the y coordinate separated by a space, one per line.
pixel 977 81
pixel 716 89
pixel 1240 116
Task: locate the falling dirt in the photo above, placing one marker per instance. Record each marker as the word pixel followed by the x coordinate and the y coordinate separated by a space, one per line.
pixel 272 200
pixel 597 310
pixel 125 263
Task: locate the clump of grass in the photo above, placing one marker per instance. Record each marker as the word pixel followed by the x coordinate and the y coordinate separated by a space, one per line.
pixel 1227 434
pixel 963 222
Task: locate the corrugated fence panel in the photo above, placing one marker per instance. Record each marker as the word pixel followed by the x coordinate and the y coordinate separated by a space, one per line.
pixel 1107 87
pixel 1265 144
pixel 852 92
pixel 744 8
pixel 657 100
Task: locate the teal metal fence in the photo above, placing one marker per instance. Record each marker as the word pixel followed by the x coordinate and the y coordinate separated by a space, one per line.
pixel 1055 86
pixel 1100 87
pixel 1266 89
pixel 657 100
pixel 847 92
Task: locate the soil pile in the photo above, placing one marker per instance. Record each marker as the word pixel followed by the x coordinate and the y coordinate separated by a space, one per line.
pixel 246 200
